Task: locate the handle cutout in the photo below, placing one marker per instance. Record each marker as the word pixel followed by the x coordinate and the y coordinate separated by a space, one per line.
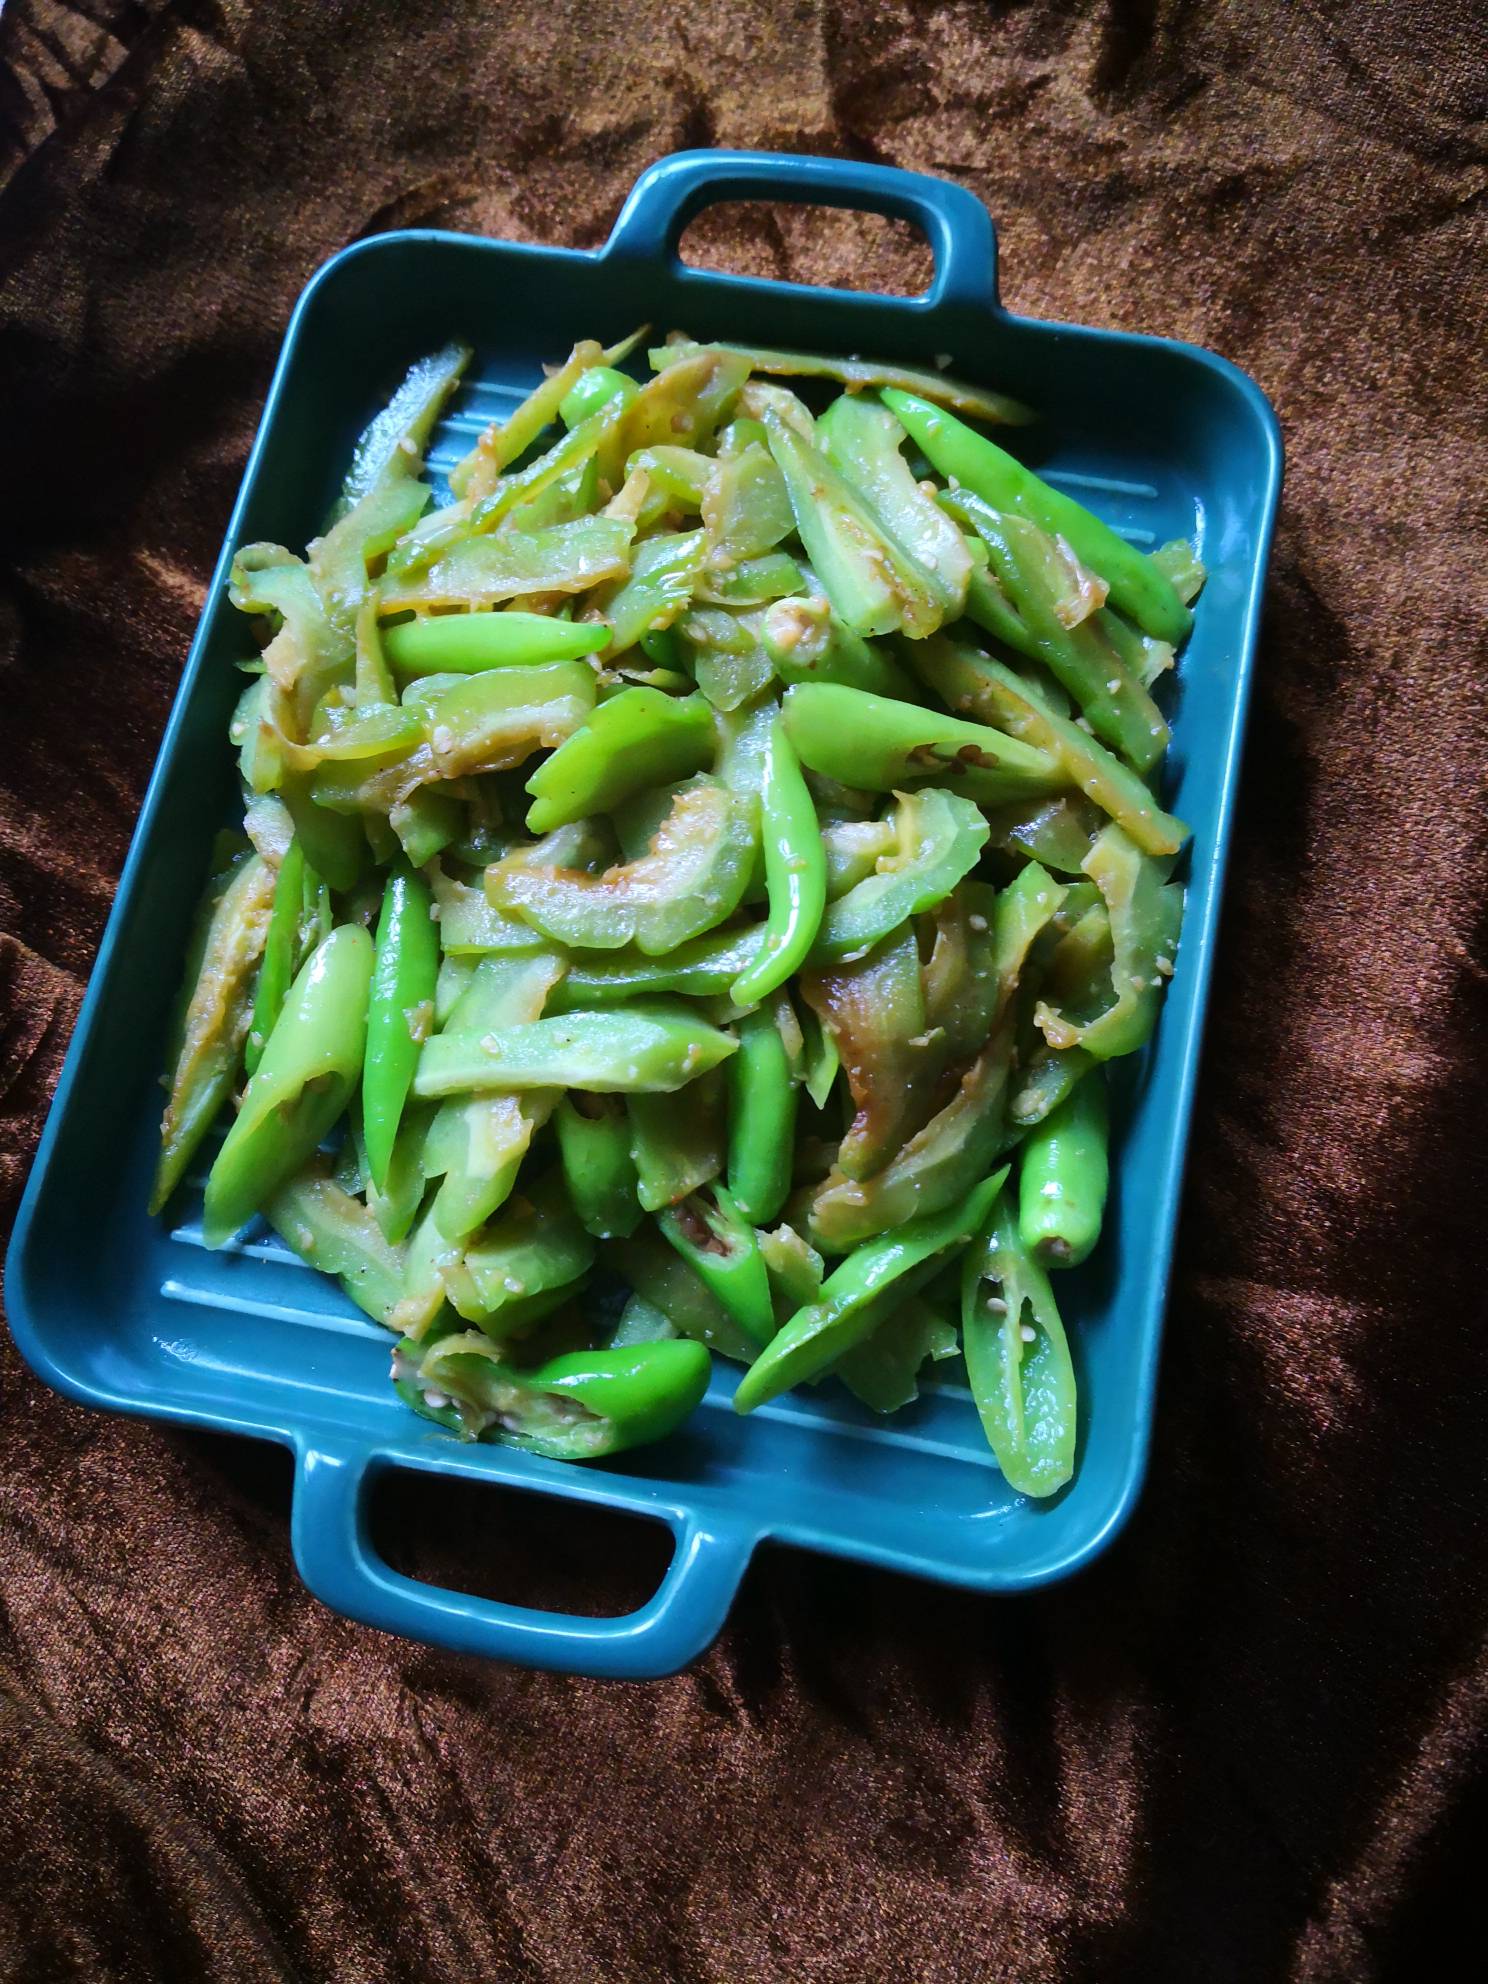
pixel 487 1540
pixel 816 246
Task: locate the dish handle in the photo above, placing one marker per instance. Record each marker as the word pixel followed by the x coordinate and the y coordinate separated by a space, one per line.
pixel 339 1564
pixel 675 191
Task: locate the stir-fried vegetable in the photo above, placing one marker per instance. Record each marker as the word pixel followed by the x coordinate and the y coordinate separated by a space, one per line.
pixel 753 793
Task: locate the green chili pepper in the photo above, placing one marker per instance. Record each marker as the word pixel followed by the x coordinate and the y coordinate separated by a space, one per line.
pixel 468 643
pixel 672 1285
pixel 703 969
pixel 874 585
pixel 795 870
pixel 401 1015
pixel 525 1263
pixel 1080 658
pixel 600 386
pixel 1146 916
pixel 308 1071
pixel 650 1047
pixel 1049 1077
pixel 862 440
pixel 637 740
pixel 580 1406
pixel 816 1336
pixel 1138 586
pixel 598 1168
pixel 1063 1176
pixel 1017 1359
pixel 213 1013
pixel 396 1206
pixel 658 588
pixel 940 840
pixel 724 1249
pixel 884 745
pixel 336 1234
pixel 677 1146
pixel 967 680
pixel 506 441
pixel 762 1118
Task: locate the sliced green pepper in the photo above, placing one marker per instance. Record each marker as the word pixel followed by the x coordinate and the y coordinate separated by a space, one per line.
pixel 967 680
pixel 600 386
pixel 662 574
pixel 594 1145
pixel 883 1370
pixel 855 373
pixel 762 1117
pixel 806 642
pixel 673 1286
pixel 703 969
pixel 479 571
pixel 724 1249
pixel 336 1234
pixel 638 739
pixel 677 1147
pixel 875 1012
pixel 214 1011
pixel 308 1071
pixel 523 1265
pixel 940 838
pixel 885 746
pixel 795 867
pixel 1146 915
pixel 1017 1359
pixel 580 1406
pixel 401 1014
pixel 467 643
pixel 1138 586
pixel 1063 1175
pixel 862 440
pixel 816 1336
pixel 650 1047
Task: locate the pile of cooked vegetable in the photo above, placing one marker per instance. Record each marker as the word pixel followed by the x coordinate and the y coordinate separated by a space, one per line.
pixel 712 856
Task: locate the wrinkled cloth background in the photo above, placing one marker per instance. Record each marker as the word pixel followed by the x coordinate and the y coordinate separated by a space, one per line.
pixel 1248 1745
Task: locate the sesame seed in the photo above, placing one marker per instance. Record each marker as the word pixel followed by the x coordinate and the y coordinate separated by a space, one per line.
pixel 1028 1333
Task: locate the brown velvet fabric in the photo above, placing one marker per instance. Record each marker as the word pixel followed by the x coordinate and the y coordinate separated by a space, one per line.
pixel 1249 1744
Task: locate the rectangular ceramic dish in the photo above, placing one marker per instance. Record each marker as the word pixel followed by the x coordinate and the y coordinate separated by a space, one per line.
pixel 129 1313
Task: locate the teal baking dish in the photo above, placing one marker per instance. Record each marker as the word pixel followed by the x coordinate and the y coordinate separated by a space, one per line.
pixel 124 1312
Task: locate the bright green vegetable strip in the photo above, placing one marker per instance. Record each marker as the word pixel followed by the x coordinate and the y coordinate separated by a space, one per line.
pixel 751 582
pixel 469 642
pixel 703 969
pixel 677 1146
pixel 1054 832
pixel 401 1014
pixel 395 439
pixel 213 1015
pixel 425 823
pixel 820 1062
pixel 496 720
pixel 669 1283
pixel 796 1269
pixel 874 585
pixel 598 1168
pixel 599 387
pixel 662 573
pixel 503 442
pixel 722 1246
pixel 940 840
pixel 308 1071
pixel 580 1406
pixel 283 952
pixel 806 642
pixel 1138 586
pixel 519 1267
pixel 1080 658
pixel 1063 1176
pixel 479 571
pixel 470 927
pixel 883 1370
pixel 970 681
pixel 422 1309
pixel 795 870
pixel 1024 1385
pixel 862 440
pixel 1146 916
pixel 884 746
pixel 678 477
pixel 637 740
pixel 745 508
pixel 686 405
pixel 762 1118
pixel 853 849
pixel 977 402
pixel 817 1335
pixel 336 1234
pixel 397 1207
pixel 650 1047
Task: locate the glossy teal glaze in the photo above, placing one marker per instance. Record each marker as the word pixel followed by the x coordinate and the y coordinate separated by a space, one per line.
pixel 124 1312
